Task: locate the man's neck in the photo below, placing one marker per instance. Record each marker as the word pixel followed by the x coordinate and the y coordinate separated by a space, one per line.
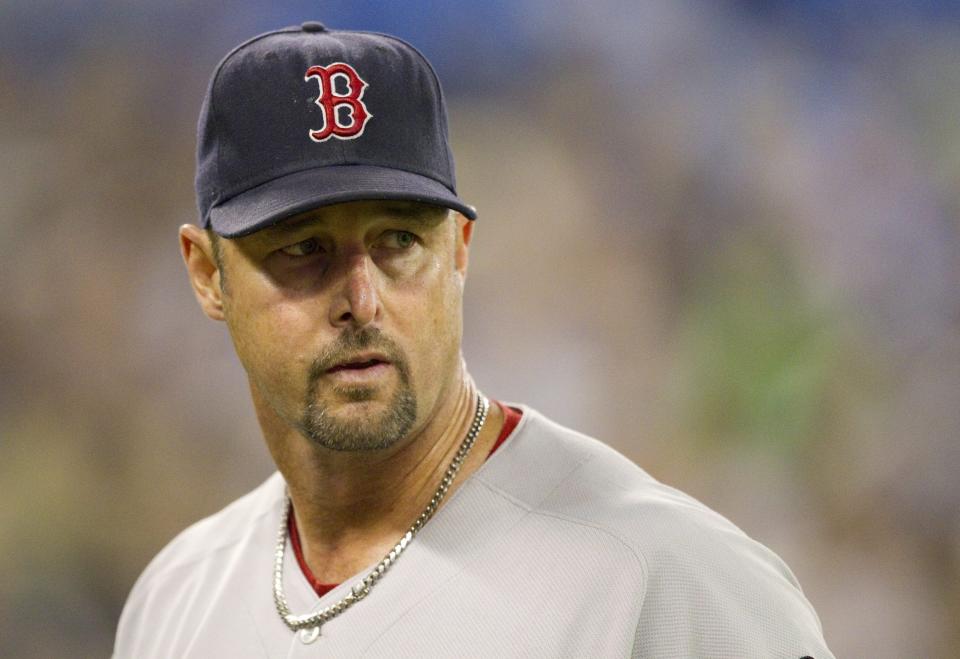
pixel 352 507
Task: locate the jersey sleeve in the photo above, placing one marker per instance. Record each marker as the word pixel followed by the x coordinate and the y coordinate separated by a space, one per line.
pixel 722 595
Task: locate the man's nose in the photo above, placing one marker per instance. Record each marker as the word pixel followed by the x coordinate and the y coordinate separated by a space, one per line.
pixel 357 302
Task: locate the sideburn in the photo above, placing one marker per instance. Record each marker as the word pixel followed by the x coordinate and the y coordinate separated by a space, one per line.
pixel 218 259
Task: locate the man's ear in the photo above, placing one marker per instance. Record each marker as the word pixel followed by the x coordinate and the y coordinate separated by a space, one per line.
pixel 203 269
pixel 462 250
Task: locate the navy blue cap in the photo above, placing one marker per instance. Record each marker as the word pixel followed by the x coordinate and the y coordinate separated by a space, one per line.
pixel 305 117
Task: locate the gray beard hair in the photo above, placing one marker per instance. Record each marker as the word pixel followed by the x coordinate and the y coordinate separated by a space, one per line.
pixel 376 432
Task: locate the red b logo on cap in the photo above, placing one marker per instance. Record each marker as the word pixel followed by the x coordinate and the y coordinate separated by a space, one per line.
pixel 330 102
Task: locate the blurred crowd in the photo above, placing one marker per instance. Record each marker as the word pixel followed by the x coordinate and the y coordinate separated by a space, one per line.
pixel 722 237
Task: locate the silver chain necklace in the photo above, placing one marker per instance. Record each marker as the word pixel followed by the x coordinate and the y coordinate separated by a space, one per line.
pixel 309 625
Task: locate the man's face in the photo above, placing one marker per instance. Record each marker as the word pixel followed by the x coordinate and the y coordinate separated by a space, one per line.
pixel 348 319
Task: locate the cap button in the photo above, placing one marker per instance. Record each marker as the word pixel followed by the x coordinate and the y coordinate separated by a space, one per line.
pixel 313 26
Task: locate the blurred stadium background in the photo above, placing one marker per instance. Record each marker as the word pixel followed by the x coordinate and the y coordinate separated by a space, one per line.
pixel 721 236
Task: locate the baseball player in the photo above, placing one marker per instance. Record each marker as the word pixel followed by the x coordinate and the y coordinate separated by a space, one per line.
pixel 410 515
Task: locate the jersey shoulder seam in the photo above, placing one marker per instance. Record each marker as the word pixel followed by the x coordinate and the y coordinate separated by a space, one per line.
pixel 163 565
pixel 540 512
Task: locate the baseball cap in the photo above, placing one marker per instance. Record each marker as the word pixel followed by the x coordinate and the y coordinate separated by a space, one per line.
pixel 307 116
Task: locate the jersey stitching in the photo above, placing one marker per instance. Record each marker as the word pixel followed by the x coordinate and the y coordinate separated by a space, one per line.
pixel 641 559
pixel 207 552
pixel 530 510
pixel 256 628
pixel 426 595
pixel 573 520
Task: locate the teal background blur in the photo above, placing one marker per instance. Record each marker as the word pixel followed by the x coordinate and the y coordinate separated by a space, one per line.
pixel 720 236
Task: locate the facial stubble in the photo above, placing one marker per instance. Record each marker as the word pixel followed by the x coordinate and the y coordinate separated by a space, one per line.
pixel 375 431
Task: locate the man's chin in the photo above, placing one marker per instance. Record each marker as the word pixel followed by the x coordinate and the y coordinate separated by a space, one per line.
pixel 358 419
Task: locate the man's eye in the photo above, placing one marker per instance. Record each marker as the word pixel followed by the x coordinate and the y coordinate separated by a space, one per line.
pixel 302 248
pixel 400 239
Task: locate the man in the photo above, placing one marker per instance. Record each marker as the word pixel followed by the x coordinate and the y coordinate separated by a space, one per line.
pixel 409 515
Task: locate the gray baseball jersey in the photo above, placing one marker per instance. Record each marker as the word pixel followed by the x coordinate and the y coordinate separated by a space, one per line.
pixel 557 546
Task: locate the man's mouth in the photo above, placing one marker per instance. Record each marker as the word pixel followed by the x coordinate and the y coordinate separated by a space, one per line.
pixel 358 364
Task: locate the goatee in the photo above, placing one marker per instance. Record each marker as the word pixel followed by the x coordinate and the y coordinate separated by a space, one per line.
pixel 374 432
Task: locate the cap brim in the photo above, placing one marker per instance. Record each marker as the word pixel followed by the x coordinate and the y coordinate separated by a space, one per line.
pixel 296 193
